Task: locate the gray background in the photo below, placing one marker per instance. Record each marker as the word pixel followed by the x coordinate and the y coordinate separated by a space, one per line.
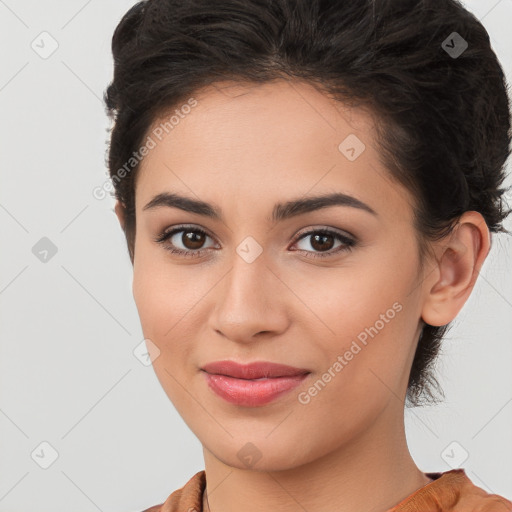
pixel 69 325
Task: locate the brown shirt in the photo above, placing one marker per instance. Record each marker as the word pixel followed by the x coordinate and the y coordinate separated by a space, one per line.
pixel 451 491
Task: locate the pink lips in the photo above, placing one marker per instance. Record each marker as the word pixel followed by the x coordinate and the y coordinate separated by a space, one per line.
pixel 253 384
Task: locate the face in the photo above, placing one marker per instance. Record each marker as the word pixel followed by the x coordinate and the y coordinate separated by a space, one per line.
pixel 330 288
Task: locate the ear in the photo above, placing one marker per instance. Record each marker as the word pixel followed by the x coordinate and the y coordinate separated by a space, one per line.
pixel 459 258
pixel 120 212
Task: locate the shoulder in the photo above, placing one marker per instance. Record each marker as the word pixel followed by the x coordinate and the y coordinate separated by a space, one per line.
pixel 453 491
pixel 471 497
pixel 188 497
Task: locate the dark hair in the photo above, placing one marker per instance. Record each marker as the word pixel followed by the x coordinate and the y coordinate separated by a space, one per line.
pixel 442 119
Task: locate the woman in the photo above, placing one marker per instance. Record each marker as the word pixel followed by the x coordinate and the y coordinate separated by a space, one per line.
pixel 308 190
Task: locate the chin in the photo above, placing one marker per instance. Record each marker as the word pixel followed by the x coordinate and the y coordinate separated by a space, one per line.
pixel 261 454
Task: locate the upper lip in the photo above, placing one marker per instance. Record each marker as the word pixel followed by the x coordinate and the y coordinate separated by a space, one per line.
pixel 254 370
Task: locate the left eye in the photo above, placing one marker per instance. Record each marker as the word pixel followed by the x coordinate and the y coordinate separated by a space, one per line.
pixel 193 239
pixel 322 240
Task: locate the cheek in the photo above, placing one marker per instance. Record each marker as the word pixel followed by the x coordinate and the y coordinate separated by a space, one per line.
pixel 347 300
pixel 169 300
pixel 365 367
pixel 163 292
pixel 367 315
pixel 164 309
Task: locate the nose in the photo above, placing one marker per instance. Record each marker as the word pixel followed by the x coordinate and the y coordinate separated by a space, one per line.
pixel 249 302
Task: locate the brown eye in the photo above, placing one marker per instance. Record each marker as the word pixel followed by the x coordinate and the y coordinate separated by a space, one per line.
pixel 322 241
pixel 193 239
pixel 184 241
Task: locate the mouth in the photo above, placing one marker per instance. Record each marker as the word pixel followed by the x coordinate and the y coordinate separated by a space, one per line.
pixel 254 384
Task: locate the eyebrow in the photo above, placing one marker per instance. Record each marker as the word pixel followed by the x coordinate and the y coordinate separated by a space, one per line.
pixel 280 212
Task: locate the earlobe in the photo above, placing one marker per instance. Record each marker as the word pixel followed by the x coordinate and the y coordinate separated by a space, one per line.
pixel 120 212
pixel 459 259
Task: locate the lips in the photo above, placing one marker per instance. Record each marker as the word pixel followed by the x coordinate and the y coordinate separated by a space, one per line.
pixel 253 384
pixel 255 370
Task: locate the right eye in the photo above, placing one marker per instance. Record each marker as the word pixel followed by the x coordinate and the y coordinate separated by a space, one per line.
pixel 191 239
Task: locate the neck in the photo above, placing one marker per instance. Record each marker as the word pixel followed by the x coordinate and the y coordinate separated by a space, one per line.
pixel 372 472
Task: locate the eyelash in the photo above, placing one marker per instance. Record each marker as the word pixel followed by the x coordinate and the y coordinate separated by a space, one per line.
pixel 348 243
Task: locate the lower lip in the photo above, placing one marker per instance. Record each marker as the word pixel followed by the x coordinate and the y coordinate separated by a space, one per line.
pixel 252 392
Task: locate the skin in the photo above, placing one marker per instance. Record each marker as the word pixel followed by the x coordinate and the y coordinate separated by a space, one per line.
pixel 244 148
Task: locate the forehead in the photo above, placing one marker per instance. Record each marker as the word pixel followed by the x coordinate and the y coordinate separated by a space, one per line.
pixel 277 111
pixel 264 141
